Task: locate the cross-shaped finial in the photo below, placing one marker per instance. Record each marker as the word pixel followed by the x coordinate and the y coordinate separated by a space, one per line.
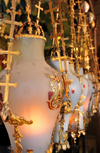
pixel 39 8
pixel 9 53
pixel 79 2
pixel 7 84
pixel 28 10
pixel 12 22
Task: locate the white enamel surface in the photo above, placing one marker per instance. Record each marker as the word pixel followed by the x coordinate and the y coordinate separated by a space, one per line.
pixel 84 87
pixel 85 90
pixel 71 67
pixel 74 97
pixel 90 91
pixel 57 128
pixel 29 99
pixel 91 17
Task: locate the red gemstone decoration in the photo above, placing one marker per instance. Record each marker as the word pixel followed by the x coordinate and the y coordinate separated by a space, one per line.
pixel 83 85
pixel 50 94
pixel 1 105
pixel 73 90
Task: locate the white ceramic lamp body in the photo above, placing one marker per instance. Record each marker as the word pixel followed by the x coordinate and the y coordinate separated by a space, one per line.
pixel 74 95
pixel 90 91
pixel 92 101
pixel 91 17
pixel 85 89
pixel 29 99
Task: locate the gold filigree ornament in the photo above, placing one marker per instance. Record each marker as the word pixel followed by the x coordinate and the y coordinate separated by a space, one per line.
pixel 54 97
pixel 81 132
pixel 34 29
pixel 16 121
pixel 67 107
pixel 29 151
pixel 50 148
pixel 65 144
pixel 73 135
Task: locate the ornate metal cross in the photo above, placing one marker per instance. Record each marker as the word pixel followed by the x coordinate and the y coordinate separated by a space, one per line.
pixel 79 2
pixel 51 12
pixel 39 8
pixel 12 22
pixel 29 12
pixel 53 23
pixel 7 85
pixel 9 52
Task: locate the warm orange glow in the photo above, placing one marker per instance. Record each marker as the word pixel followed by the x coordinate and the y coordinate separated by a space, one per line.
pixel 86 104
pixel 72 123
pixel 40 122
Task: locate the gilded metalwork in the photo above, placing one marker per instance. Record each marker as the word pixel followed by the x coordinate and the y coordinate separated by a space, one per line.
pixel 39 8
pixel 39 33
pixel 62 120
pixel 12 22
pixel 32 36
pixel 6 112
pixel 65 144
pixel 50 148
pixel 55 98
pixel 16 121
pixel 7 85
pixel 81 132
pixel 73 134
pixel 9 53
pixel 67 107
pixel 29 151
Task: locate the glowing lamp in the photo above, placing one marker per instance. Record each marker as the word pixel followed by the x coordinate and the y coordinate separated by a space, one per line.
pixel 31 99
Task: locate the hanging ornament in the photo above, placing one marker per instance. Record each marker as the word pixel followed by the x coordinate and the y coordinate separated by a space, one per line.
pixel 93 24
pixel 85 6
pixel 91 17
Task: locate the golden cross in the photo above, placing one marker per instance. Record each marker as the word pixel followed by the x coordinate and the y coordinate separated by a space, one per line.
pixel 12 22
pixel 53 23
pixel 51 12
pixel 60 57
pixel 29 12
pixel 7 85
pixel 39 8
pixel 66 82
pixel 55 35
pixel 92 48
pixel 9 55
pixel 72 3
pixel 62 35
pixel 56 23
pixel 79 2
